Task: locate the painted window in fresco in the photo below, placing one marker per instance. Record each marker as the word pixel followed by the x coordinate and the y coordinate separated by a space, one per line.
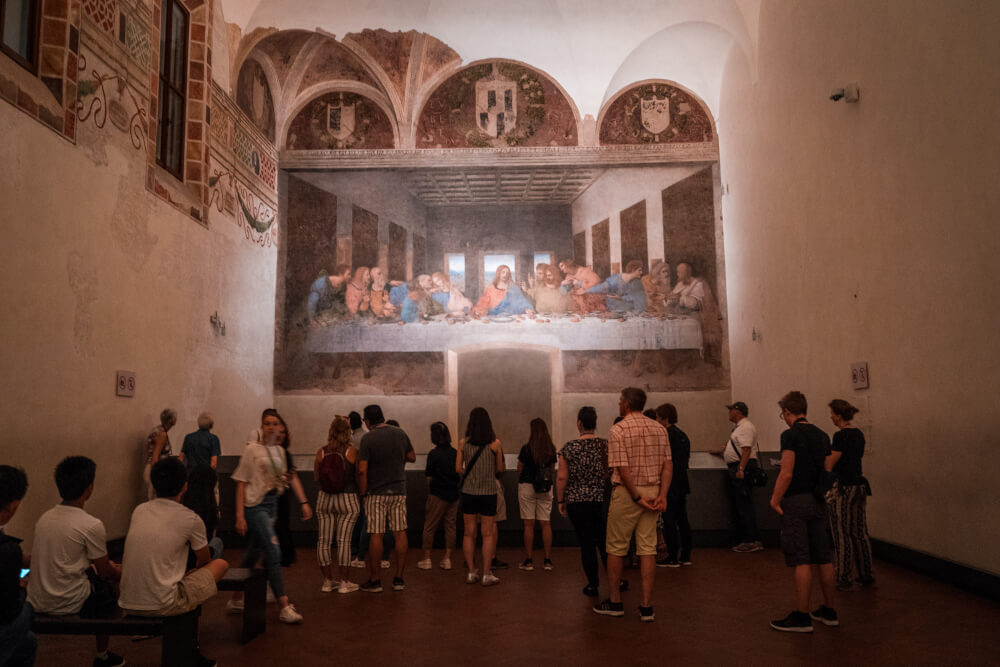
pixel 173 86
pixel 19 19
pixel 543 258
pixel 492 262
pixel 456 270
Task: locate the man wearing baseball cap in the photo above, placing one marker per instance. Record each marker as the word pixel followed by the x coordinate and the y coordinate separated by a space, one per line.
pixel 737 453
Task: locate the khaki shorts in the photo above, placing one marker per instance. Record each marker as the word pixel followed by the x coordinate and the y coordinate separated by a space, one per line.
pixel 626 517
pixel 192 591
pixel 534 506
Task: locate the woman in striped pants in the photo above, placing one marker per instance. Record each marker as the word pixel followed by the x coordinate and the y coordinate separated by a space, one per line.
pixel 337 512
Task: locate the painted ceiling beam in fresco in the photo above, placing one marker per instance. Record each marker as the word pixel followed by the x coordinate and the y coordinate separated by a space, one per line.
pixel 599 156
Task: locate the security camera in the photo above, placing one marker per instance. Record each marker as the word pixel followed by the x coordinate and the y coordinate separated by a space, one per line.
pixel 836 94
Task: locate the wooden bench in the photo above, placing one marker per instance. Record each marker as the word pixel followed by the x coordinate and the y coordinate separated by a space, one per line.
pixel 180 633
pixel 253 583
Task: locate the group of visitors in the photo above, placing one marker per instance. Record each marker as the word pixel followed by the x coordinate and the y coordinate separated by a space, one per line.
pixel 563 287
pixel 614 491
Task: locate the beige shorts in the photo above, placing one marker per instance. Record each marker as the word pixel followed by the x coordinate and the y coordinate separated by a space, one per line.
pixel 534 506
pixel 626 517
pixel 192 591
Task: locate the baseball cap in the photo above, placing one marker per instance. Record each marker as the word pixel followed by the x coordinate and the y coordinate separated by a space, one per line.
pixel 741 406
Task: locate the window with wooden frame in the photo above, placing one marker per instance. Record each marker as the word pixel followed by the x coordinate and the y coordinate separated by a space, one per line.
pixel 19 32
pixel 173 88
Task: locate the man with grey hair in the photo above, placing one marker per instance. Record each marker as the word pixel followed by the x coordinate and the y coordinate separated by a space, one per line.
pixel 201 448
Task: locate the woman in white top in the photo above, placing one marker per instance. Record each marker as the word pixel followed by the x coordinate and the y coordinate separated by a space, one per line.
pixel 260 478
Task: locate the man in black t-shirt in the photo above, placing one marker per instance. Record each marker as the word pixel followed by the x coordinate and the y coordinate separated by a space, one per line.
pixel 804 536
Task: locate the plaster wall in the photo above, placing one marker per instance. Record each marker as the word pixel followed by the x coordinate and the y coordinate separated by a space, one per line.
pixel 101 276
pixel 866 232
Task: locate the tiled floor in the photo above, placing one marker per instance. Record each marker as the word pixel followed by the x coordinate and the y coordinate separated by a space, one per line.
pixel 715 612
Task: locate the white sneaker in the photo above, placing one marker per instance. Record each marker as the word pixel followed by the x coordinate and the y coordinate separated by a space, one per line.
pixel 327 586
pixel 445 564
pixel 347 587
pixel 424 564
pixel 472 577
pixel 385 565
pixel 289 615
pixel 359 564
pixel 270 594
pixel 234 606
pixel 490 579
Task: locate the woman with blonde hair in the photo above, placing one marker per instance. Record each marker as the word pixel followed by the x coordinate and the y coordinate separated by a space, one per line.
pixel 337 506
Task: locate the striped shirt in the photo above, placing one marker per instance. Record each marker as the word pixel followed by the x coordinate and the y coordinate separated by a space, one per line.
pixel 481 478
pixel 639 444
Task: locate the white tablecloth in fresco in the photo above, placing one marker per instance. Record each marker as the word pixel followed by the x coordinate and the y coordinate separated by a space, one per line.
pixel 590 333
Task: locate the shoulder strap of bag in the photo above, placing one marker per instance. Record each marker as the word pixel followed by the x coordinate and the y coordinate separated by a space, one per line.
pixel 472 462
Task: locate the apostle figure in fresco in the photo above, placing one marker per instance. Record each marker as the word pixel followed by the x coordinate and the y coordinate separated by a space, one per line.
pixel 449 296
pixel 326 301
pixel 546 294
pixel 578 280
pixel 657 286
pixel 623 291
pixel 356 294
pixel 419 302
pixel 378 295
pixel 503 297
pixel 693 296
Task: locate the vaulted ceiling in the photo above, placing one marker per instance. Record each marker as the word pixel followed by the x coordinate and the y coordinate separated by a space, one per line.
pixel 591 48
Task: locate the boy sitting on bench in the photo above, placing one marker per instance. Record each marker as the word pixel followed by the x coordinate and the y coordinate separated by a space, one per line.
pixel 72 573
pixel 154 582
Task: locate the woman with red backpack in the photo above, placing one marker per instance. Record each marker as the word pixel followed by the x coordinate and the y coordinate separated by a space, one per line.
pixel 337 506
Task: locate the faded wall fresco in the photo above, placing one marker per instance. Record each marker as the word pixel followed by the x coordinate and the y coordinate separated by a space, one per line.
pixel 253 97
pixel 655 113
pixel 419 281
pixel 496 104
pixel 340 120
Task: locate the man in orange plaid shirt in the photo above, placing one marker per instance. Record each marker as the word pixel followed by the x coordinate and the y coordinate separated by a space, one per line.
pixel 639 456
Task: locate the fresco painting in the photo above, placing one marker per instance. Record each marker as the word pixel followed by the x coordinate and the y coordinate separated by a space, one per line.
pixel 415 289
pixel 496 104
pixel 655 113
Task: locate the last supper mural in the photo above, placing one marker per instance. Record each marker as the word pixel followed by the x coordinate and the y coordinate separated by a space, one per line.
pixel 383 273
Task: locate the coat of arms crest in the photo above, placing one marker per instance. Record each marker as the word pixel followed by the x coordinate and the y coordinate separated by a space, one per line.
pixel 656 114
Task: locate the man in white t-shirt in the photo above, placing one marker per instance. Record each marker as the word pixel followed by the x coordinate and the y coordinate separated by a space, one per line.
pixel 71 572
pixel 154 582
pixel 738 452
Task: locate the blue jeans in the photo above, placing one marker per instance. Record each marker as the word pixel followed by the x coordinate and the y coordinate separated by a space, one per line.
pixel 17 642
pixel 264 541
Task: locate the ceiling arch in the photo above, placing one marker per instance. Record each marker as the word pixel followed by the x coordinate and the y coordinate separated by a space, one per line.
pixel 591 47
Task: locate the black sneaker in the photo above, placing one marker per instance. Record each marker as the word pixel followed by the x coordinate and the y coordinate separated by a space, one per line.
pixel 686 561
pixel 590 591
pixel 526 565
pixel 398 584
pixel 825 615
pixel 646 614
pixel 609 608
pixel 498 564
pixel 668 562
pixel 371 586
pixel 797 621
pixel 205 662
pixel 112 660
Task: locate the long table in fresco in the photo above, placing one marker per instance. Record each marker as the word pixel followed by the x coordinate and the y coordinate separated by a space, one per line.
pixel 562 332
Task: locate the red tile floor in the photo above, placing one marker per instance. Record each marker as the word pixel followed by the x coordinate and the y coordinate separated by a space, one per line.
pixel 712 613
